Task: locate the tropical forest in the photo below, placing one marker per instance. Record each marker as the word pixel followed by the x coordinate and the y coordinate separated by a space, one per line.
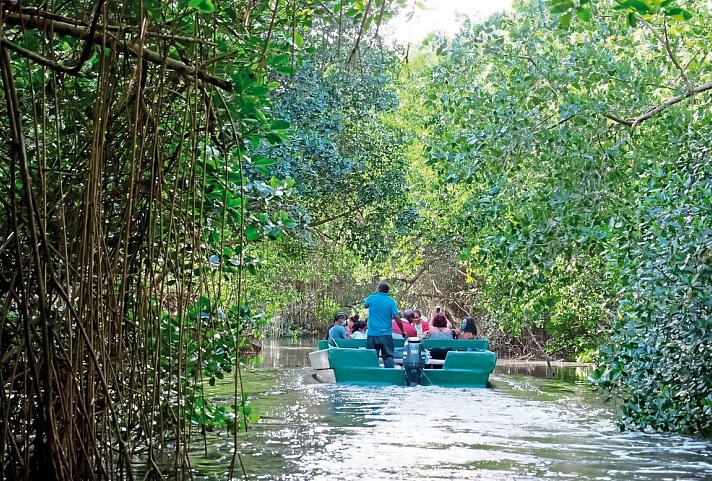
pixel 194 194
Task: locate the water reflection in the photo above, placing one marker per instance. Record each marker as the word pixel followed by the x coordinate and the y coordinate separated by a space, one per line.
pixel 524 428
pixel 286 353
pixel 561 371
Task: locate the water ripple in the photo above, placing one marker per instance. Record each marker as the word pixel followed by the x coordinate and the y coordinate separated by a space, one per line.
pixel 523 429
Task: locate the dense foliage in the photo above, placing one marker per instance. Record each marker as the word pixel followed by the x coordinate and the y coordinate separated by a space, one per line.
pixel 134 205
pixel 579 159
pixel 659 354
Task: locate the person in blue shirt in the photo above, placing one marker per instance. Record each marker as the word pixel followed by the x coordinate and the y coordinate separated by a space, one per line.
pixel 338 331
pixel 381 312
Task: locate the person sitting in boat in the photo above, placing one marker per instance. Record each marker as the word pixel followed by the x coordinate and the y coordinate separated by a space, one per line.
pixel 468 329
pixel 338 331
pixel 359 330
pixel 448 317
pixel 349 326
pixel 421 326
pixel 439 329
pixel 407 327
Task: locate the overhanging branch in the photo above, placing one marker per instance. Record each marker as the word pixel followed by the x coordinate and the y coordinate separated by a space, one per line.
pixel 659 108
pixel 326 220
pixel 420 272
pixel 35 20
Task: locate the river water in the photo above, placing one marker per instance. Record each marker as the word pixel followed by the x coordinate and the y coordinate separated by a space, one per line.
pixel 523 428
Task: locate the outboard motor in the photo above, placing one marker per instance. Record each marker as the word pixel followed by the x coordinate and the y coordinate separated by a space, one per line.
pixel 413 360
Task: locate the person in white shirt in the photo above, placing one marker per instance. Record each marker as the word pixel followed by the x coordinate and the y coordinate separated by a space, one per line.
pixel 359 330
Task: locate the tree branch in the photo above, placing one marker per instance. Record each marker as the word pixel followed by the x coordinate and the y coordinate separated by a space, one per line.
pixel 529 58
pixel 562 121
pixel 618 120
pixel 659 108
pixel 89 44
pixel 333 217
pixel 380 19
pixel 37 21
pixel 666 43
pixel 690 93
pixel 420 272
pixel 263 56
pixel 327 10
pixel 357 43
pixel 39 59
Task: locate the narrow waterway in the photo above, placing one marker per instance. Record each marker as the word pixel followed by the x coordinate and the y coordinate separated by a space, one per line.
pixel 523 428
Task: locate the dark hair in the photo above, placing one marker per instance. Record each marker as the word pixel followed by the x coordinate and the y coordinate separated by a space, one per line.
pixel 382 287
pixel 358 325
pixel 439 320
pixel 417 311
pixel 339 315
pixel 408 314
pixel 470 325
pixel 354 318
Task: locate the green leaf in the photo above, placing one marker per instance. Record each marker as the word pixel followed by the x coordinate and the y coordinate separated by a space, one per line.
pixel 274 232
pixel 638 5
pixel 280 125
pixel 679 14
pixel 284 69
pixel 565 20
pixel 562 6
pixel 204 303
pixel 252 233
pixel 263 161
pixel 584 14
pixel 203 6
pixel 273 138
pixel 632 19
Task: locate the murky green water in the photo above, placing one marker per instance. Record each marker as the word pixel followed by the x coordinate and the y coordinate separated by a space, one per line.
pixel 524 428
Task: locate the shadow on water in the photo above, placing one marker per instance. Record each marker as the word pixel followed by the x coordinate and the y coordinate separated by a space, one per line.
pixel 524 428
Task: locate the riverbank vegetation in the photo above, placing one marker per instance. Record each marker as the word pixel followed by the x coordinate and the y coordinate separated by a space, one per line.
pixel 180 178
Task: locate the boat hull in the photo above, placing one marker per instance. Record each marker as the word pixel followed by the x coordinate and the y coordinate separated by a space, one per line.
pixel 468 363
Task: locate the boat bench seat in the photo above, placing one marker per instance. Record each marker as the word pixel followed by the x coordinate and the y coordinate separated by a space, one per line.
pixel 469 361
pixel 361 343
pixel 361 358
pixel 458 344
pixel 455 344
pixel 361 366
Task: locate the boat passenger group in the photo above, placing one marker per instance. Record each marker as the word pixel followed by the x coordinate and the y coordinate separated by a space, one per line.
pixel 385 322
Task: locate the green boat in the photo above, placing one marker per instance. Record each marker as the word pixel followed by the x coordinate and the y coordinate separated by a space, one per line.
pixel 467 363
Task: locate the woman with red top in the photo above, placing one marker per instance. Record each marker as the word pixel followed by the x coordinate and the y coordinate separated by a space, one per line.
pixel 409 329
pixel 421 327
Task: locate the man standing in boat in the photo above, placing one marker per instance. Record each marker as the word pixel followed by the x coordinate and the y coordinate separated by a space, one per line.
pixel 381 312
